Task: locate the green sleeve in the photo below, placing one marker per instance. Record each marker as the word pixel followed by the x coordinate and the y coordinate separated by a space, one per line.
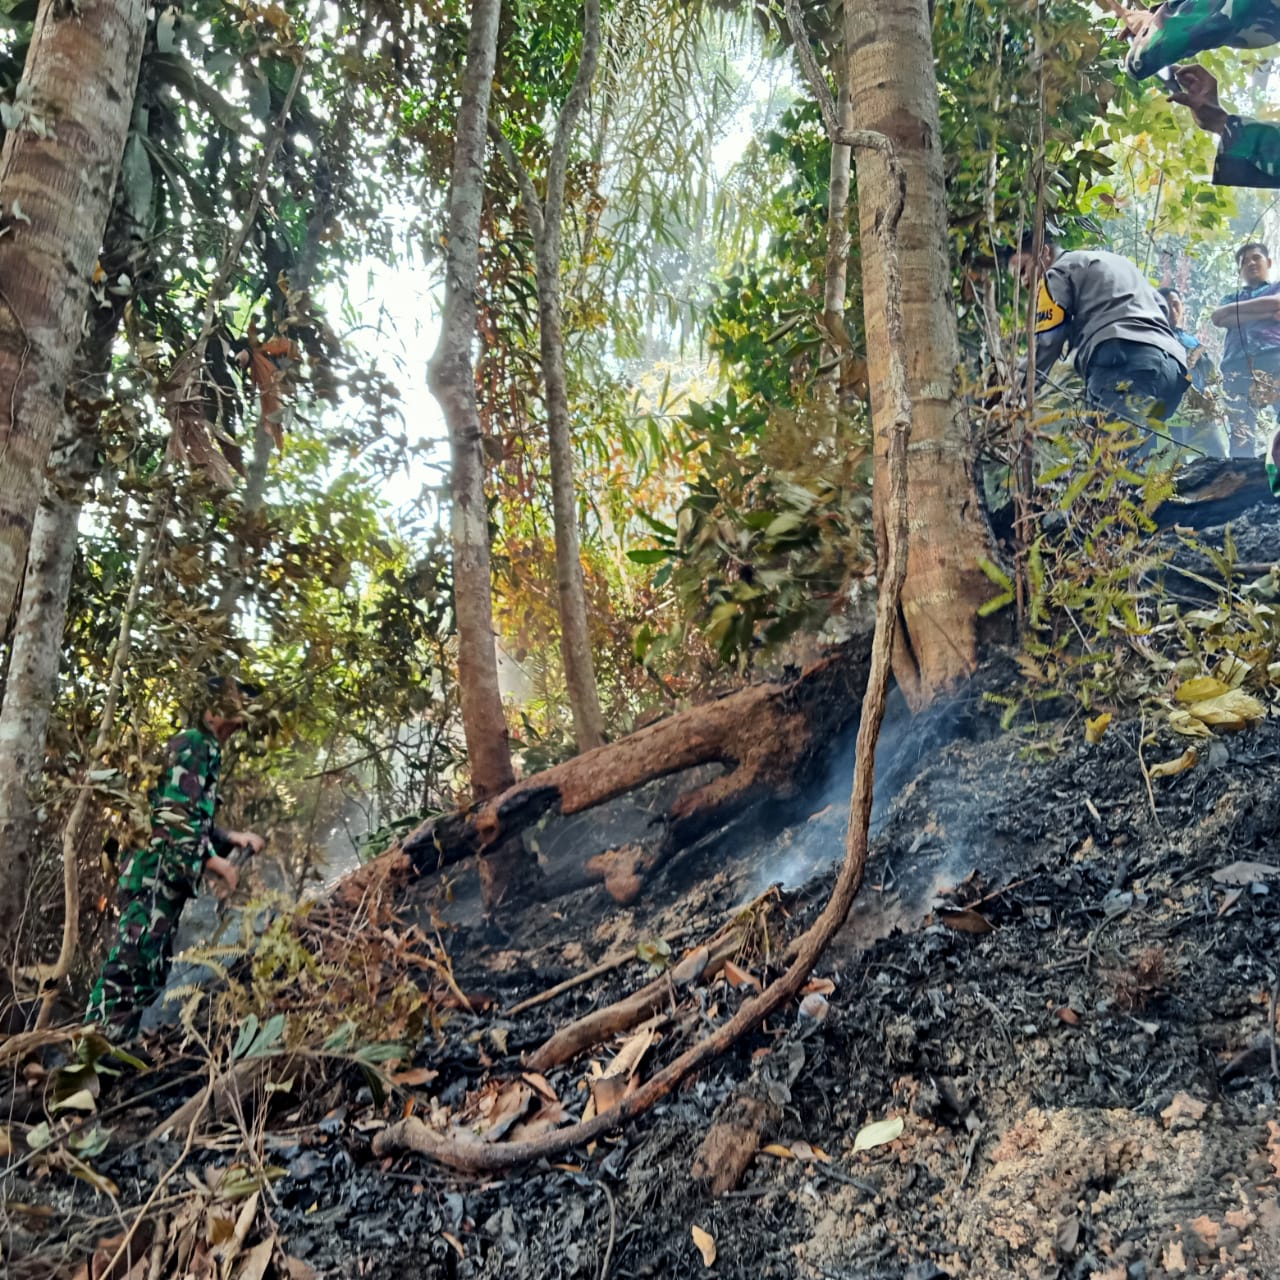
pixel 1249 154
pixel 1186 28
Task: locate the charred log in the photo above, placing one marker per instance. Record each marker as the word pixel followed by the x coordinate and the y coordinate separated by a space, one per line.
pixel 766 739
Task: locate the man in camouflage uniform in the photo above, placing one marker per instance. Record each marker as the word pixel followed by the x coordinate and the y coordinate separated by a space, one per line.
pixel 1183 29
pixel 157 879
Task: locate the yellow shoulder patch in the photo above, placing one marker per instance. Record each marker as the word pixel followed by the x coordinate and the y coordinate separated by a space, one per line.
pixel 1048 314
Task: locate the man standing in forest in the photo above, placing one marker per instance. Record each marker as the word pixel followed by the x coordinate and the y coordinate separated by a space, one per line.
pixel 157 879
pixel 1109 315
pixel 1251 357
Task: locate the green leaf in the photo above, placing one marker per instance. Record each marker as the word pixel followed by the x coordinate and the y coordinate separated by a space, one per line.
pixel 649 555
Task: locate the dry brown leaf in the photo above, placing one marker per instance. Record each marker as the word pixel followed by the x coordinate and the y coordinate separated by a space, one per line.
pixel 818 986
pixel 966 921
pixel 414 1077
pixel 256 1261
pixel 539 1084
pixel 1229 901
pixel 1068 1015
pixel 507 1106
pixel 739 978
pixel 1185 723
pixel 1229 712
pixel 296 1269
pixel 627 1059
pixel 804 1151
pixel 457 1244
pixel 1170 768
pixel 706 1246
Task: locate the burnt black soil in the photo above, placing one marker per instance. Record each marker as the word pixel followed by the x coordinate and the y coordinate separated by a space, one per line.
pixel 1084 1062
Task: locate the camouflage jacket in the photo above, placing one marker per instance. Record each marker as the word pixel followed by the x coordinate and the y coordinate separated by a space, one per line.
pixel 1185 28
pixel 183 803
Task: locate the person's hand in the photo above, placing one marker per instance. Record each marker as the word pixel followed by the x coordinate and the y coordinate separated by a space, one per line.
pixel 1198 89
pixel 250 840
pixel 226 872
pixel 1135 23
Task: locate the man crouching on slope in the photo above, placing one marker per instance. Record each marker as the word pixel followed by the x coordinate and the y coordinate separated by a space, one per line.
pixel 1105 311
pixel 157 879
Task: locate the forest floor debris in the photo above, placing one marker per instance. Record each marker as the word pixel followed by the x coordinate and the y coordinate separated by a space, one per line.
pixel 1057 1059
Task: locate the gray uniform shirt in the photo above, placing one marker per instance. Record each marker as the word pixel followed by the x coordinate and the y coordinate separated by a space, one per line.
pixel 1090 296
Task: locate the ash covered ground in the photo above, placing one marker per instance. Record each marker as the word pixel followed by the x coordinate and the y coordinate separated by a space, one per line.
pixel 1062 979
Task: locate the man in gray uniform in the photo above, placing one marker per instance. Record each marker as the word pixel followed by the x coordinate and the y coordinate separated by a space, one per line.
pixel 1106 311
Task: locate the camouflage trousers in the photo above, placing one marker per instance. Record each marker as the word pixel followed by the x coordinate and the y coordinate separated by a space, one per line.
pixel 1186 28
pixel 138 963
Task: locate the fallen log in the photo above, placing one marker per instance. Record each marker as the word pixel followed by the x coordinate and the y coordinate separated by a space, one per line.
pixel 766 739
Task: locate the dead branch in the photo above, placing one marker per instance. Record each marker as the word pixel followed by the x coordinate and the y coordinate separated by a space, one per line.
pixel 600 1024
pixel 471 1155
pixel 570 984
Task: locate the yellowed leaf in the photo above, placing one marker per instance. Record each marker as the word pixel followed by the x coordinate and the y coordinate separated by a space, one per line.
pixel 706 1246
pixel 818 986
pixel 1200 688
pixel 777 1149
pixel 803 1151
pixel 1231 711
pixel 1170 768
pixel 878 1133
pixel 457 1244
pixel 1185 723
pixel 1095 728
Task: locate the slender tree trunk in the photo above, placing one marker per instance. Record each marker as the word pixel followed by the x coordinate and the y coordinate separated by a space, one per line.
pixel 894 92
pixel 57 172
pixel 545 224
pixel 575 635
pixel 451 374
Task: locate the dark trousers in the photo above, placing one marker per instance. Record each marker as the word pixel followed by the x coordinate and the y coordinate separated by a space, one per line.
pixel 1239 385
pixel 1135 382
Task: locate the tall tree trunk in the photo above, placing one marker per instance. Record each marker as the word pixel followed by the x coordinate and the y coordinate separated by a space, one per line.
pixel 895 92
pixel 57 173
pixel 451 375
pixel 33 672
pixel 545 224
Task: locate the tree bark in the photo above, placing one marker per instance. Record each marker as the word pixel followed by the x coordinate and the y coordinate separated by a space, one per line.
pixel 451 375
pixel 545 224
pixel 57 172
pixel 895 93
pixel 33 673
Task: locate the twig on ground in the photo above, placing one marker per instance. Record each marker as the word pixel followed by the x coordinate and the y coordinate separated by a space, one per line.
pixel 1271 1026
pixel 613 1232
pixel 578 980
pixel 472 1155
